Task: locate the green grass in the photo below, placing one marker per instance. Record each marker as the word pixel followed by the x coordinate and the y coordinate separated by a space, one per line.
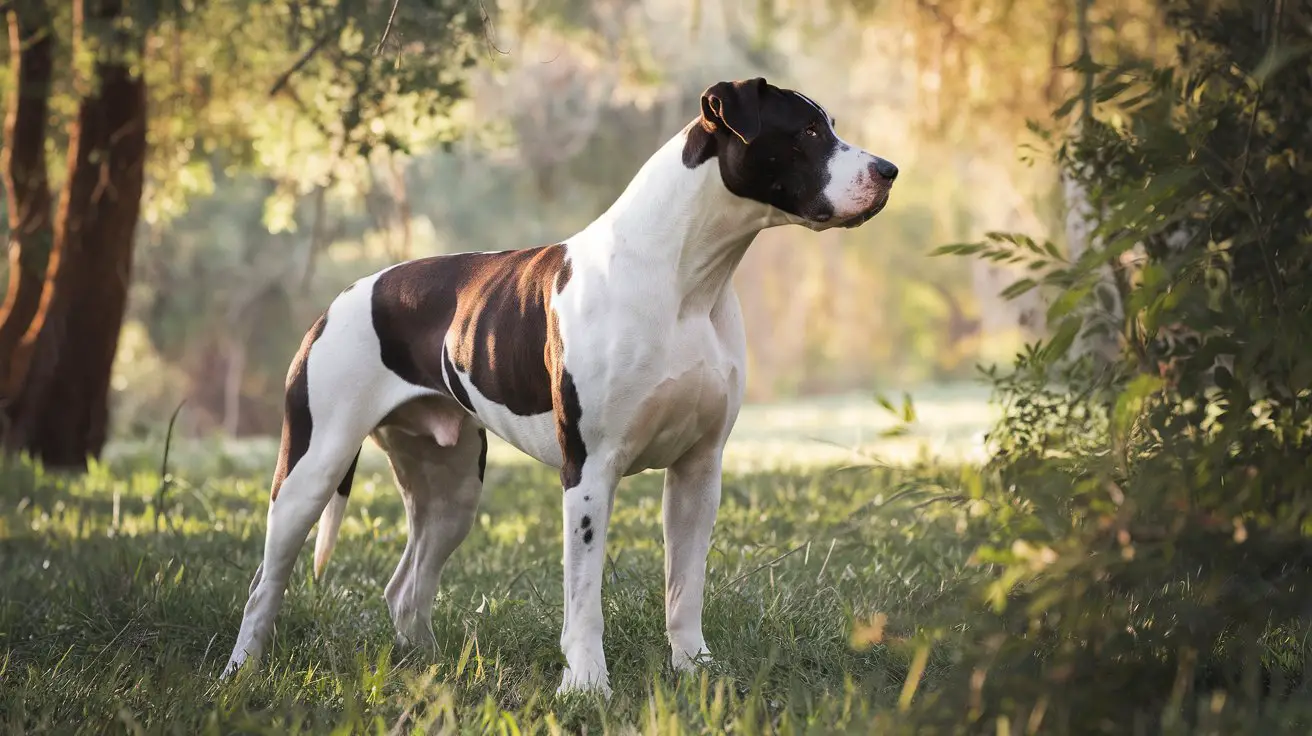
pixel 120 606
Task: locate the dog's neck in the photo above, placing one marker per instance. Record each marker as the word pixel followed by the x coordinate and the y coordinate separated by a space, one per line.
pixel 681 223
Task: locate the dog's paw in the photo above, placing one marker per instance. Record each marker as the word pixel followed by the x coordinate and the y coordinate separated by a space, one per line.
pixel 417 640
pixel 596 681
pixel 683 661
pixel 231 669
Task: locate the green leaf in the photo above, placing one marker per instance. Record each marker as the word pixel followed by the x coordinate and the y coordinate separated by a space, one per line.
pixel 908 409
pixel 957 249
pixel 1061 340
pixel 1130 403
pixel 1066 107
pixel 1108 91
pixel 1019 288
pixel 1067 301
pixel 885 402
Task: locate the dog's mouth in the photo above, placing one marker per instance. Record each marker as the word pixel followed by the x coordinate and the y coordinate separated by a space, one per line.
pixel 862 218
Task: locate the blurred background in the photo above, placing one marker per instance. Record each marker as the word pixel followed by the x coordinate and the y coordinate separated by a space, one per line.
pixel 293 146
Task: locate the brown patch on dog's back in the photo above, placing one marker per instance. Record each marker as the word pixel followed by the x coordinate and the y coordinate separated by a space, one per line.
pixel 501 336
pixel 488 316
pixel 484 314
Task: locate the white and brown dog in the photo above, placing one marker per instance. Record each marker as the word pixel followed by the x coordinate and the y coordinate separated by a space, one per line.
pixel 619 350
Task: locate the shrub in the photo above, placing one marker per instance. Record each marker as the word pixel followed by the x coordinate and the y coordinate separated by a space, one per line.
pixel 1158 574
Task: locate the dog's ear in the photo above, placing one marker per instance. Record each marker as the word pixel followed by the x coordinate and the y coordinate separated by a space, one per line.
pixel 736 106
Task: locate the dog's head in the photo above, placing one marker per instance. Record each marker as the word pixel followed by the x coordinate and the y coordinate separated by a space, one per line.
pixel 778 147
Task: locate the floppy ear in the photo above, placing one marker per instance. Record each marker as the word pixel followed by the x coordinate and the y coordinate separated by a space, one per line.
pixel 736 106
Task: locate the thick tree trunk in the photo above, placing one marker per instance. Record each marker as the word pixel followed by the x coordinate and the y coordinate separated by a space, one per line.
pixel 23 159
pixel 59 410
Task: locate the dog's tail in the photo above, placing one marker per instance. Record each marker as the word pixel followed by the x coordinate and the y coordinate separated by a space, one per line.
pixel 331 520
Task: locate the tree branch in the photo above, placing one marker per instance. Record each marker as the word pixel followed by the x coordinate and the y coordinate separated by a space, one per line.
pixel 391 17
pixel 304 59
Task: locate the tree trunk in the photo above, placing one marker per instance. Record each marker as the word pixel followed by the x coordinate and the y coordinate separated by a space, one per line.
pixel 1082 217
pixel 60 384
pixel 234 373
pixel 23 159
pixel 401 195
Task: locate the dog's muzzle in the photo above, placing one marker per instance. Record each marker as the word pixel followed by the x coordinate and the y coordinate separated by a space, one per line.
pixel 865 217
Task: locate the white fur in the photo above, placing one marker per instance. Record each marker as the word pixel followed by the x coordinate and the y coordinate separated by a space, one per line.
pixel 330 522
pixel 349 394
pixel 851 188
pixel 653 338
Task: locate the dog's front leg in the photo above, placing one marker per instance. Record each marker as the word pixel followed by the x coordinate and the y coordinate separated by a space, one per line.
pixel 692 497
pixel 587 514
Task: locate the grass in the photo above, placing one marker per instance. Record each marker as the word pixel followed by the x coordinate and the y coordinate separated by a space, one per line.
pixel 121 603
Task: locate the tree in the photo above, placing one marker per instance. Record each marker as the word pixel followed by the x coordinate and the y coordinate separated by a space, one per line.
pixel 320 65
pixel 58 385
pixel 23 159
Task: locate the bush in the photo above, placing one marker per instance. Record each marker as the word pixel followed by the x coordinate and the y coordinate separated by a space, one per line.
pixel 1156 572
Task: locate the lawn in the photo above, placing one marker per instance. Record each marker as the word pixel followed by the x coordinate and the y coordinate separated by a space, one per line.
pixel 122 596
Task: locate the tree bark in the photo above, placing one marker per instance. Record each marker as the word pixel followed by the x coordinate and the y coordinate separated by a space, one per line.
pixel 23 159
pixel 59 387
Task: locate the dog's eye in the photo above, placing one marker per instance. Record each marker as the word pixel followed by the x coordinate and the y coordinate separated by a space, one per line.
pixel 811 131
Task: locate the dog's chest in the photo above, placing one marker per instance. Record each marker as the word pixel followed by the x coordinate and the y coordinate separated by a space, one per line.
pixel 684 403
pixel 651 391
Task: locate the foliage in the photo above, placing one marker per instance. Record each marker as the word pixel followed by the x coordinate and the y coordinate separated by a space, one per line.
pixel 1160 576
pixel 302 92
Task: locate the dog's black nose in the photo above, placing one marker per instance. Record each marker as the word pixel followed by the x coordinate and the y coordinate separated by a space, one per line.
pixel 885 169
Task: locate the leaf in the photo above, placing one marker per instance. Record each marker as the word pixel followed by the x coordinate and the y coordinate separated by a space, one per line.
pixel 1061 340
pixel 957 249
pixel 1019 288
pixel 1129 405
pixel 1108 91
pixel 908 409
pixel 1067 301
pixel 1066 107
pixel 885 402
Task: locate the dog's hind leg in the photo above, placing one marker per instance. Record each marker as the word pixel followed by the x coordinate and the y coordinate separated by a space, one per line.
pixel 440 487
pixel 335 397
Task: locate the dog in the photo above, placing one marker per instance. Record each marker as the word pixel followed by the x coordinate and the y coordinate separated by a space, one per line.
pixel 619 350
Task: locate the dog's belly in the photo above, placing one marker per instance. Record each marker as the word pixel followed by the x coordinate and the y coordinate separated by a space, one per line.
pixel 655 432
pixel 532 434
